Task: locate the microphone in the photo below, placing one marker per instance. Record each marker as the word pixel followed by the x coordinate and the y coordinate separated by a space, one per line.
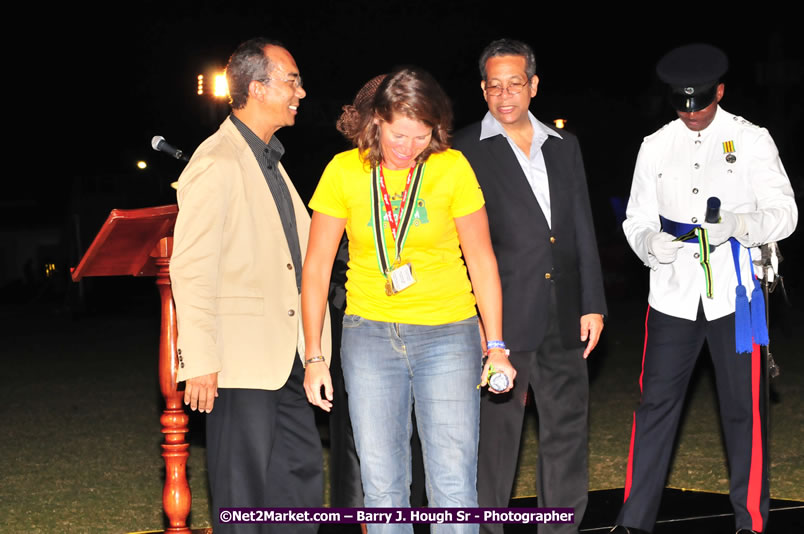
pixel 712 209
pixel 159 144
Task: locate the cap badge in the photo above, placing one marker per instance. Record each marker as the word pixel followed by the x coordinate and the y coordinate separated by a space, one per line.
pixel 689 90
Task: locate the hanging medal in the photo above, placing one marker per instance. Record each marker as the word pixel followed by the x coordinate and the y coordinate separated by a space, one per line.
pixel 728 149
pixel 398 274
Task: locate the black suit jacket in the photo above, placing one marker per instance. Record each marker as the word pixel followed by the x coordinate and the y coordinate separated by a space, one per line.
pixel 531 257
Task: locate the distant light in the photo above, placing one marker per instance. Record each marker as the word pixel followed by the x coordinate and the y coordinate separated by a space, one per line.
pixel 560 123
pixel 218 88
pixel 50 269
pixel 221 87
pixel 141 165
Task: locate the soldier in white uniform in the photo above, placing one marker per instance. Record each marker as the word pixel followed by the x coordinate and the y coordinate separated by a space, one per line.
pixel 694 288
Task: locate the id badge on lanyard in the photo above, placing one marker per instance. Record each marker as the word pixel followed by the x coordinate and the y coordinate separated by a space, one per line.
pixel 399 277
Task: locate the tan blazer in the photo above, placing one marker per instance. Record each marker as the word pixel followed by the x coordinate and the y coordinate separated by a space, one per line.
pixel 237 305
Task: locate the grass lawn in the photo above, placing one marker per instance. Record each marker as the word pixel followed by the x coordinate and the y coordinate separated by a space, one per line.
pixel 80 403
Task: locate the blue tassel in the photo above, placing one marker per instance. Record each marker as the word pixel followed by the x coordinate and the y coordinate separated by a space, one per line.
pixel 758 325
pixel 742 322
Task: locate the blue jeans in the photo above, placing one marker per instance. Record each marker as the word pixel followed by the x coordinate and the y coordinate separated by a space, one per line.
pixel 390 367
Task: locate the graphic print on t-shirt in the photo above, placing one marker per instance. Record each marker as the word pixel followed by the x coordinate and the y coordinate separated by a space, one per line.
pixel 419 213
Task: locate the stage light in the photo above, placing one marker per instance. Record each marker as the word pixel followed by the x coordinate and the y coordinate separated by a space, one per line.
pixel 141 165
pixel 218 88
pixel 560 123
pixel 221 87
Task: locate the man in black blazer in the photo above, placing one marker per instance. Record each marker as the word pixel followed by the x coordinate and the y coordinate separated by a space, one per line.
pixel 534 184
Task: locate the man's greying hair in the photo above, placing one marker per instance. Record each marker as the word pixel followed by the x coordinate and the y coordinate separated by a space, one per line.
pixel 247 63
pixel 508 47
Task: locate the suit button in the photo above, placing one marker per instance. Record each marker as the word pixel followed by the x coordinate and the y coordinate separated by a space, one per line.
pixel 291 313
pixel 552 239
pixel 290 267
pixel 696 255
pixel 547 276
pixel 694 220
pixel 697 166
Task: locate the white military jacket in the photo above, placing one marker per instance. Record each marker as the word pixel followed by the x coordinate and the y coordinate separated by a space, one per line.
pixel 677 170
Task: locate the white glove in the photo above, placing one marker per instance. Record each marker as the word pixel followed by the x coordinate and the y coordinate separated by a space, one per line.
pixel 730 225
pixel 663 247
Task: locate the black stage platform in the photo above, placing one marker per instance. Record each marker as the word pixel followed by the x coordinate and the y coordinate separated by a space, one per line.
pixel 682 512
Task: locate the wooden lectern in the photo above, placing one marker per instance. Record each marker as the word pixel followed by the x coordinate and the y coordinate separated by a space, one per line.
pixel 139 243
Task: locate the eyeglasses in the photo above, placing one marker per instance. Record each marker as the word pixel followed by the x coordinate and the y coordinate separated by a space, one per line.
pixel 513 88
pixel 295 80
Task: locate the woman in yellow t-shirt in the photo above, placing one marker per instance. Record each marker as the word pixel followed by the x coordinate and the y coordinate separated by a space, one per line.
pixel 410 207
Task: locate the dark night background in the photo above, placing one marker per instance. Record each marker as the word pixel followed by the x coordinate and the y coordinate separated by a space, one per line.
pixel 87 85
pixel 93 84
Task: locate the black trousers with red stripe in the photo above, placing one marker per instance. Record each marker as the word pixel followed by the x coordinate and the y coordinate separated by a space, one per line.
pixel 671 349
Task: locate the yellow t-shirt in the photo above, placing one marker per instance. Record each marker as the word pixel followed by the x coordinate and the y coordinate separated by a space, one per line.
pixel 442 293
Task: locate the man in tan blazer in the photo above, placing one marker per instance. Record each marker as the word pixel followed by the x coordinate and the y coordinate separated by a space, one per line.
pixel 238 250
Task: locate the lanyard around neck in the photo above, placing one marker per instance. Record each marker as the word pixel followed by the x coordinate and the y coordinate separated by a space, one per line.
pixel 400 225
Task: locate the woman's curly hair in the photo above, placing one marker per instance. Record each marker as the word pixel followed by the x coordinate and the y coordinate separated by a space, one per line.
pixel 408 91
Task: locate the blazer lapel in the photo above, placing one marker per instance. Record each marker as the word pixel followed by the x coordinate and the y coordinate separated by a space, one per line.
pixel 256 187
pixel 515 184
pixel 556 172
